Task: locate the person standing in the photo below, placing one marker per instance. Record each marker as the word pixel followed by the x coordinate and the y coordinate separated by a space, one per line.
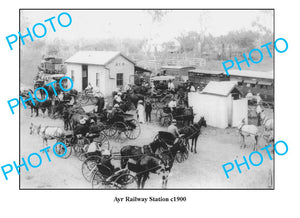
pixel 258 98
pixel 148 109
pixel 140 111
pixel 258 112
pixel 171 86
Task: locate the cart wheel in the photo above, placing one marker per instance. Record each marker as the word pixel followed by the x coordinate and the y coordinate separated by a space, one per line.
pixel 83 99
pixel 109 131
pixel 89 166
pixel 97 180
pixel 126 181
pixel 183 155
pixel 60 149
pixel 133 130
pixel 102 141
pixel 79 147
pixel 120 128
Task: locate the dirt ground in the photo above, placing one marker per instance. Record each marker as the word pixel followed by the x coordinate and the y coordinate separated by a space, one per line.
pixel 202 170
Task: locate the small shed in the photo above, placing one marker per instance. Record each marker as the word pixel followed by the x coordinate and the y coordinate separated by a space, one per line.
pixel 220 103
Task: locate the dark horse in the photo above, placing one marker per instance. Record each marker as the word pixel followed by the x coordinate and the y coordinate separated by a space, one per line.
pixel 34 107
pixel 135 152
pixel 144 164
pixel 193 132
pixel 185 115
pixel 132 98
pixel 162 163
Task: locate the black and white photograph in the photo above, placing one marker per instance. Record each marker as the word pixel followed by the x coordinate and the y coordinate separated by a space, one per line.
pixel 147 99
pixel 149 109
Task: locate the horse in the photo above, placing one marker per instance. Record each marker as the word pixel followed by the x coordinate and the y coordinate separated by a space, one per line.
pixel 132 98
pixel 268 123
pixel 192 132
pixel 46 132
pixel 46 105
pixel 135 152
pixel 141 90
pixel 186 115
pixel 248 130
pixel 147 164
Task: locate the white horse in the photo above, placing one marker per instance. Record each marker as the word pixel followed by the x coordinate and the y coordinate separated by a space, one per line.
pixel 46 132
pixel 267 122
pixel 248 130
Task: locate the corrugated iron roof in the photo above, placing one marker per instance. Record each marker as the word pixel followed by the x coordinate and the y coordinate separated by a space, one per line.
pixel 250 73
pixel 219 88
pixel 176 67
pixel 242 73
pixel 95 57
pixel 214 72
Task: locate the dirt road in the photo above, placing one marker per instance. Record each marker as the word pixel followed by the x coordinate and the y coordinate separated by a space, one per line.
pixel 202 170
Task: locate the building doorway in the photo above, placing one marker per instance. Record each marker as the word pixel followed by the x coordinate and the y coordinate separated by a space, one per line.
pixel 84 76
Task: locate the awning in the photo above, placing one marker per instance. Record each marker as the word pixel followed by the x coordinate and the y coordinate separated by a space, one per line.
pixel 236 79
pixel 265 83
pixel 250 81
pixel 162 78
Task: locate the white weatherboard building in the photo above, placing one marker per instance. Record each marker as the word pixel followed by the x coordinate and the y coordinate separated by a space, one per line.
pixel 105 70
pixel 220 104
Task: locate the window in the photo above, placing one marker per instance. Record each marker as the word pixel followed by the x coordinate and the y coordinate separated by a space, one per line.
pixel 119 79
pixel 97 80
pixel 72 75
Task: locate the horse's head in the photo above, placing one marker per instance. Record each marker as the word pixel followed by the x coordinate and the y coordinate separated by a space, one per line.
pixel 157 143
pixel 242 123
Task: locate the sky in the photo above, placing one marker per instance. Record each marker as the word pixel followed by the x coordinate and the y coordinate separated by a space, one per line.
pixel 138 24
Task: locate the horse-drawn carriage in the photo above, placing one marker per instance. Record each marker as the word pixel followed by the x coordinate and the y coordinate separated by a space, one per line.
pixel 121 124
pixel 136 163
pixel 82 144
pixel 181 114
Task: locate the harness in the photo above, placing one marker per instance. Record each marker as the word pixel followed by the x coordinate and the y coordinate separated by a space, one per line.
pixel 266 119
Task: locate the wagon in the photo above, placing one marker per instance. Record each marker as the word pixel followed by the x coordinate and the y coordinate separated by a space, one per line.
pixel 80 144
pixel 122 124
pixel 165 115
pixel 102 176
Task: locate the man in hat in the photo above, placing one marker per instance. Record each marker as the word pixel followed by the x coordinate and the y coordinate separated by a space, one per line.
pixel 173 128
pixel 148 109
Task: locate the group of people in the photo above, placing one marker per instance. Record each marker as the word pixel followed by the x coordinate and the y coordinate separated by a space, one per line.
pixel 142 109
